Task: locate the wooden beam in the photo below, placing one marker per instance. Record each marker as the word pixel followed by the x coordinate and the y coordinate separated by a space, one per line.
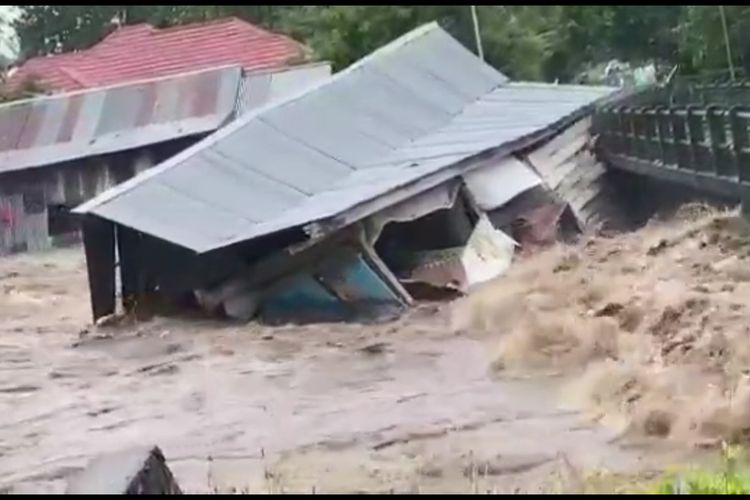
pixel 99 245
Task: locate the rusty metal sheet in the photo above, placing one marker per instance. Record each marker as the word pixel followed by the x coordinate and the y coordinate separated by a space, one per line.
pixel 487 254
pixel 47 130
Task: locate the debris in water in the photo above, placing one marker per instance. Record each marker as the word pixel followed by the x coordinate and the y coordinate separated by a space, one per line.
pixel 651 343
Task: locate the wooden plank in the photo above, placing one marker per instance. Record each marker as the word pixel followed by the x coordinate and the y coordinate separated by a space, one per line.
pixel 6 225
pixel 37 232
pixel 35 225
pixel 18 235
pixel 558 175
pixel 552 147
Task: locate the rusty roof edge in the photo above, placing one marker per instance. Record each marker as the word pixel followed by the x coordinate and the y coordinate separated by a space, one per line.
pixel 63 95
pixel 230 129
pixel 149 134
pixel 285 69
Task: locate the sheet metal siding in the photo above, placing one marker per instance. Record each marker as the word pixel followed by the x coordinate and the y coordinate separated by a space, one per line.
pixel 569 167
pixel 55 129
pixel 409 110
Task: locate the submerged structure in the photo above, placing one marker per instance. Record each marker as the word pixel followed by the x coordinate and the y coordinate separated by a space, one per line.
pixel 414 172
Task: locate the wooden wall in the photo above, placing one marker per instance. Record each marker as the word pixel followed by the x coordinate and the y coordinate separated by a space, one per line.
pixel 28 197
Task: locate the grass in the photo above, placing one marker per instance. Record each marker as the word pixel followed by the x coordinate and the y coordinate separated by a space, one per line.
pixel 731 480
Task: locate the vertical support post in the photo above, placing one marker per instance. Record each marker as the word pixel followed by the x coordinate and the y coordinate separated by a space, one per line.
pixel 661 134
pixel 740 143
pixel 477 36
pixel 722 158
pixel 628 132
pixel 745 202
pixel 99 244
pixel 680 138
pixel 127 249
pixel 696 138
pixel 652 134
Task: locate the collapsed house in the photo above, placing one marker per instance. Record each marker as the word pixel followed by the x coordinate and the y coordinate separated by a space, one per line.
pixel 415 171
pixel 57 152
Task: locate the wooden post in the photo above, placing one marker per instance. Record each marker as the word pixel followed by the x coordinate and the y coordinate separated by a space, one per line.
pixel 740 143
pixel 722 158
pixel 99 245
pixel 127 250
pixel 745 202
pixel 696 138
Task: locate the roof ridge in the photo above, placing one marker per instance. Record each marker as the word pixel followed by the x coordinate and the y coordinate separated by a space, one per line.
pixel 211 22
pixel 123 30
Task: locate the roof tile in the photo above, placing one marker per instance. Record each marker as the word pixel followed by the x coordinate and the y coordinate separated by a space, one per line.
pixel 140 51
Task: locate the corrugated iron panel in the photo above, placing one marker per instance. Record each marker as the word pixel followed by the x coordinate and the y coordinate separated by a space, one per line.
pixel 408 111
pixel 495 185
pixel 261 88
pixel 573 172
pixel 54 129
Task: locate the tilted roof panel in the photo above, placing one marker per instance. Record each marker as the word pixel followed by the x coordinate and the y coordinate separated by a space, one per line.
pixel 408 110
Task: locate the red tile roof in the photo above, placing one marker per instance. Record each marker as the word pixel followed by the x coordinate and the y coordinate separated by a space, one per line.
pixel 141 51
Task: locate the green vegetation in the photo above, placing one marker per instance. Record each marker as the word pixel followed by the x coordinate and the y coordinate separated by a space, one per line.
pixel 545 42
pixel 728 481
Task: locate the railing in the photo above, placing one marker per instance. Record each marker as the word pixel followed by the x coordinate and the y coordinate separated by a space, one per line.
pixel 723 94
pixel 685 93
pixel 708 147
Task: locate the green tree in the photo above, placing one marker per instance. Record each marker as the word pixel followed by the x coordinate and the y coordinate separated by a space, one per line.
pixel 702 46
pixel 526 42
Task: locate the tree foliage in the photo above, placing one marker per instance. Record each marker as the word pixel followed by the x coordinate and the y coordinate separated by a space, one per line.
pixel 526 42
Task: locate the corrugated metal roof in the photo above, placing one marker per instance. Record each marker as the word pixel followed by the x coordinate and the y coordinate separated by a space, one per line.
pixel 265 87
pixel 46 130
pixel 141 51
pixel 410 109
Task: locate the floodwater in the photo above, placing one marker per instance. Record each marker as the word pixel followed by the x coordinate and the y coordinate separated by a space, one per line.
pixel 407 406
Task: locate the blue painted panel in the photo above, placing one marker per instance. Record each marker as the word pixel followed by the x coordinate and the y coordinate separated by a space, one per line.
pixel 301 293
pixel 357 282
pixel 343 286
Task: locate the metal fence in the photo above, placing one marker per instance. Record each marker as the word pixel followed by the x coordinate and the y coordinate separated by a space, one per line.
pixel 685 92
pixel 707 146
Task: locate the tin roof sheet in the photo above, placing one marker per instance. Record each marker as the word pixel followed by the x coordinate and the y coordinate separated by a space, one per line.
pixel 46 130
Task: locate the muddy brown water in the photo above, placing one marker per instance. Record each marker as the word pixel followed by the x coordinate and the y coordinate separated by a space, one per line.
pixel 406 406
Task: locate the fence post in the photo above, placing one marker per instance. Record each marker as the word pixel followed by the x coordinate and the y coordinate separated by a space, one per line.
pixel 721 157
pixel 699 156
pixel 680 139
pixel 738 126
